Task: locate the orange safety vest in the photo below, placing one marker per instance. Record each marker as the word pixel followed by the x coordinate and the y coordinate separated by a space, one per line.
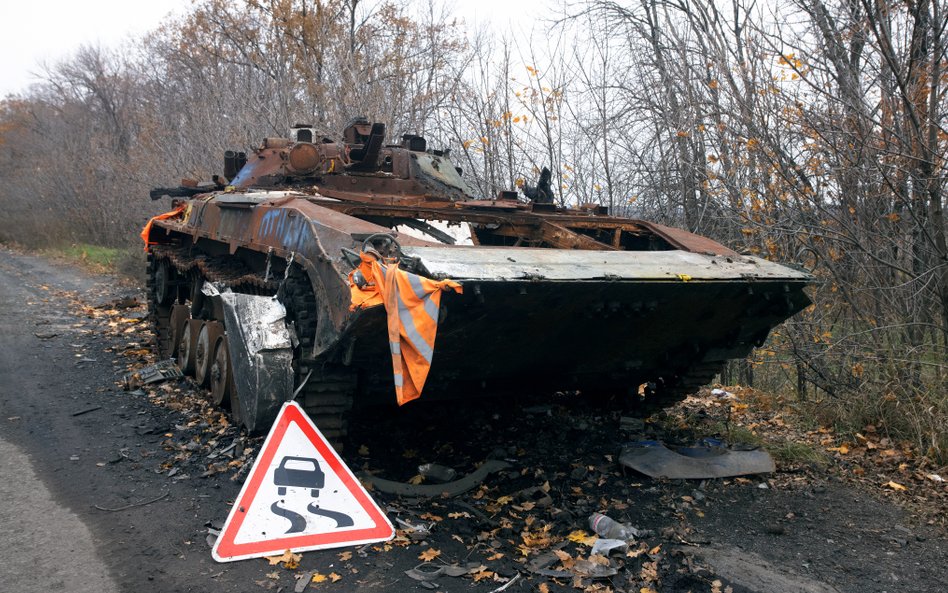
pixel 412 304
pixel 146 232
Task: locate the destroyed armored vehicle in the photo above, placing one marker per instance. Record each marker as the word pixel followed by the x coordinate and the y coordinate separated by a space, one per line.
pixel 331 271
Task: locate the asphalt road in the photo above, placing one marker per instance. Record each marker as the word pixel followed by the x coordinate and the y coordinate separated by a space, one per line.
pixel 57 466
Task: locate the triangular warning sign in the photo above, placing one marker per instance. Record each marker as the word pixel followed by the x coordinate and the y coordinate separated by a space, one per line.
pixel 299 496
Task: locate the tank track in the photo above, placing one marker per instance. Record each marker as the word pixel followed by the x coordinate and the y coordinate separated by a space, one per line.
pixel 327 394
pixel 160 314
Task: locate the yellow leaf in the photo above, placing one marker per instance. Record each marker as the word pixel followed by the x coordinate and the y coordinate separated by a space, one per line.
pixel 581 537
pixel 319 578
pixel 344 556
pixel 544 588
pixel 655 550
pixel 418 479
pixel 467 143
pixel 334 577
pixel 895 486
pixel 429 555
pixel 684 277
pixel 646 590
pixel 496 556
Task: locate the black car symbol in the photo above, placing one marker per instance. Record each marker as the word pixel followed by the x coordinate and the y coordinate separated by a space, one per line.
pixel 299 472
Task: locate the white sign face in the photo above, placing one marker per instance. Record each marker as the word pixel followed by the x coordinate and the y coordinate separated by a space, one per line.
pixel 299 496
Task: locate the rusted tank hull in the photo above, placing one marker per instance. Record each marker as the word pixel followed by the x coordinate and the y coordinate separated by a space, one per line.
pixel 529 319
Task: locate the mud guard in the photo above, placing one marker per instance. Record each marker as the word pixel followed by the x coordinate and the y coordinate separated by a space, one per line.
pixel 261 354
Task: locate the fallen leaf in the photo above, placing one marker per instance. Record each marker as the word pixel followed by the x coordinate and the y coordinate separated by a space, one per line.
pixel 895 486
pixel 649 571
pixel 429 555
pixel 637 552
pixel 567 561
pixel 544 588
pixel 482 574
pixel 345 556
pixel 334 577
pixel 599 559
pixel 581 537
pixel 319 578
pixel 496 556
pixel 288 558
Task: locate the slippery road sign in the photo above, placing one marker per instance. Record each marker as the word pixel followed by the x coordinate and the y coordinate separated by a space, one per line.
pixel 299 496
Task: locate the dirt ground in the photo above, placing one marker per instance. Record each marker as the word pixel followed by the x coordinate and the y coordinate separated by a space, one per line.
pixel 152 473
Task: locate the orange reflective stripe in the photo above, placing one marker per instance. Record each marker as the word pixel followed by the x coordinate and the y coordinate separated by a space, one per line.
pixel 412 305
pixel 146 232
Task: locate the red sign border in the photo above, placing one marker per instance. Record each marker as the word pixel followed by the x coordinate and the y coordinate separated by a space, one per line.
pixel 225 549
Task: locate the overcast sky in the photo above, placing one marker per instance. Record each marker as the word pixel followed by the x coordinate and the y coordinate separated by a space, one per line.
pixel 35 31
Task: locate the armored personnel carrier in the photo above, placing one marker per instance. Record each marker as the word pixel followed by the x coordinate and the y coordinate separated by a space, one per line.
pixel 257 282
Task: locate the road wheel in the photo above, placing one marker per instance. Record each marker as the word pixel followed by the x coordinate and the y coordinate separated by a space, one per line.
pixel 166 289
pixel 202 355
pixel 180 314
pixel 220 371
pixel 187 346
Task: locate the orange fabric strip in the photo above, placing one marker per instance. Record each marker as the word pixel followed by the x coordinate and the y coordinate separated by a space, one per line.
pixel 146 232
pixel 412 305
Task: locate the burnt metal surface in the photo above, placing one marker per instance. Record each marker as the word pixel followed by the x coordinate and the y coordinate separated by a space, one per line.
pixel 506 263
pixel 554 298
pixel 261 355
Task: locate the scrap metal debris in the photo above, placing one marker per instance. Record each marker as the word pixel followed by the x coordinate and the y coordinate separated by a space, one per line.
pixel 261 352
pixel 151 374
pixel 709 459
pixel 468 482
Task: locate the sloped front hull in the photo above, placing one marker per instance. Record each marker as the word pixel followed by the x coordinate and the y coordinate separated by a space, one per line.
pixel 556 320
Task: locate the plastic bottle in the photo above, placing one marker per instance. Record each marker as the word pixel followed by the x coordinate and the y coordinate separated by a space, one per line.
pixel 611 529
